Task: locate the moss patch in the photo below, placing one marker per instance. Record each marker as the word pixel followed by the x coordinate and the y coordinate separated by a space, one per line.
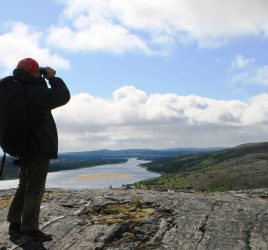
pixel 117 213
pixel 50 194
pixel 5 201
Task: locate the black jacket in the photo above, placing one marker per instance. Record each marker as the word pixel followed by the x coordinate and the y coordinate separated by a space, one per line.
pixel 43 137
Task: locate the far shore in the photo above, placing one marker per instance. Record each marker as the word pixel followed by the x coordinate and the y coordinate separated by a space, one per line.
pixel 102 176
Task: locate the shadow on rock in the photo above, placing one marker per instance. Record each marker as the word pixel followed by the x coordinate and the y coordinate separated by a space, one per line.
pixel 26 245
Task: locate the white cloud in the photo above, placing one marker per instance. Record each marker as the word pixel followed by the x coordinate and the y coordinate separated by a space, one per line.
pixel 134 118
pixel 261 76
pixel 119 25
pixel 257 111
pixel 241 62
pixel 101 36
pixel 244 71
pixel 20 42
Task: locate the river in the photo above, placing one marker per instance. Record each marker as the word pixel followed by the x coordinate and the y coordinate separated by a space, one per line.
pixel 102 176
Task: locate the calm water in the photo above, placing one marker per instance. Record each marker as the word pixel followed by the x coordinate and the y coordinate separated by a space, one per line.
pixel 94 177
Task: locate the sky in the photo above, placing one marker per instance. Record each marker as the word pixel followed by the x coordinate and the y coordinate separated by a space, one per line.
pixel 148 74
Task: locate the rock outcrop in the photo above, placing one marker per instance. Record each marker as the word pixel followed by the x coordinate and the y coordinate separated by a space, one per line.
pixel 136 219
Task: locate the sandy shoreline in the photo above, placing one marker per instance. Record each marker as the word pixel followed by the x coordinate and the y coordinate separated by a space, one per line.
pixel 102 176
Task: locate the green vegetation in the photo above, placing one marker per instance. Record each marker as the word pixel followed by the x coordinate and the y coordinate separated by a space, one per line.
pixel 60 165
pixel 242 167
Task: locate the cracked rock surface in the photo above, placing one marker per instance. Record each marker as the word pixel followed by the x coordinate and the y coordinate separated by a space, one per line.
pixel 139 219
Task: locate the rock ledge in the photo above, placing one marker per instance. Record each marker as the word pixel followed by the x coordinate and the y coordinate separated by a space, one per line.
pixel 138 219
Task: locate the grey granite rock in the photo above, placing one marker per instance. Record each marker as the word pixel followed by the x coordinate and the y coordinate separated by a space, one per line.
pixel 136 219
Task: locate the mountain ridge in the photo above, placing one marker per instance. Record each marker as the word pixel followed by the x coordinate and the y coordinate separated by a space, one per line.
pixel 143 153
pixel 241 167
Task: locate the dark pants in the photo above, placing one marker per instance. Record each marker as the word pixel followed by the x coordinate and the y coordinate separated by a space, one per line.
pixel 25 207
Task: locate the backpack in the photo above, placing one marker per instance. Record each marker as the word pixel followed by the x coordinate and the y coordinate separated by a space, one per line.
pixel 13 118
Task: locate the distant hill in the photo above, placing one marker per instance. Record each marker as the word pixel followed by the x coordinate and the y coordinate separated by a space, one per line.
pixel 75 160
pixel 241 167
pixel 145 154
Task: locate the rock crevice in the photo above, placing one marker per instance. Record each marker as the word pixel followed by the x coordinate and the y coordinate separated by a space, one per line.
pixel 203 224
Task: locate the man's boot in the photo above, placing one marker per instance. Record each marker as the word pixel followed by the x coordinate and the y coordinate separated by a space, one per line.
pixel 36 235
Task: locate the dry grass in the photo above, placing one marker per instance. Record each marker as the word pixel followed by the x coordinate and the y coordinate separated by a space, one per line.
pixel 50 194
pixel 116 213
pixel 5 201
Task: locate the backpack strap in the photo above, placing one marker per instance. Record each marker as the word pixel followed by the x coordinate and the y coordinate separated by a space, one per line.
pixel 3 164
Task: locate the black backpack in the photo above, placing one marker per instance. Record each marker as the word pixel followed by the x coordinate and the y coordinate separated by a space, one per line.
pixel 13 118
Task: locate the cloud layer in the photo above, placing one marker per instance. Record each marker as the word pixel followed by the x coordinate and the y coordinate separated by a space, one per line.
pixel 20 42
pixel 133 118
pixel 119 25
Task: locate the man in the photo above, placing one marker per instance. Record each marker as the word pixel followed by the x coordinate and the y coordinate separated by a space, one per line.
pixel 42 146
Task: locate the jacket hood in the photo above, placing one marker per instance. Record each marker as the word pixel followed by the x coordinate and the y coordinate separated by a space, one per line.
pixel 26 78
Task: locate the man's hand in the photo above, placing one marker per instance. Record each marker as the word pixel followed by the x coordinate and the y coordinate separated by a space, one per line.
pixel 50 73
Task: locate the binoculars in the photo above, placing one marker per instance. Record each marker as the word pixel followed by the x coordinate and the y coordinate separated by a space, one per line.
pixel 43 70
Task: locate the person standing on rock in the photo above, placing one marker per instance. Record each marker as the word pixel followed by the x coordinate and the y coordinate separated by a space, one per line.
pixel 42 146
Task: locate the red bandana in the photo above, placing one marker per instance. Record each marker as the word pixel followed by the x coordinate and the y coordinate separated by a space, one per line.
pixel 28 64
